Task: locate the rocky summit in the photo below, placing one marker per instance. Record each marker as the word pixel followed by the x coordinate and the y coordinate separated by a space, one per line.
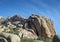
pixel 31 28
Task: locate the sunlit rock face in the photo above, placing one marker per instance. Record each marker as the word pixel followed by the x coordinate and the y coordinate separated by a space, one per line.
pixel 27 34
pixel 42 26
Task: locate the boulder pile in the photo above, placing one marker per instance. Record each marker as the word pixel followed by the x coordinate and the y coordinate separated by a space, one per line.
pixel 16 27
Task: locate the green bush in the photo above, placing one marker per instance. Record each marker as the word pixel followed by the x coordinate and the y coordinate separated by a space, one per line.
pixel 44 39
pixel 14 30
pixel 26 40
pixel 39 38
pixel 11 30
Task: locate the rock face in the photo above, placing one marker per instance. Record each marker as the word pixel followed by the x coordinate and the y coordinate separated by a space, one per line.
pixel 42 26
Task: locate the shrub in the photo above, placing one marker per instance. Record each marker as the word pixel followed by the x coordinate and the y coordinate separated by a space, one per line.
pixel 44 39
pixel 14 30
pixel 26 40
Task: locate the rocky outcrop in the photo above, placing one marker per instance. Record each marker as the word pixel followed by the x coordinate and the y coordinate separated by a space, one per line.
pixel 15 18
pixel 42 26
pixel 15 21
pixel 30 28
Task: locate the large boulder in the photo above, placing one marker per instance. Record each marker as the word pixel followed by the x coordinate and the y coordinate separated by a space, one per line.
pixel 27 34
pixel 7 37
pixel 42 26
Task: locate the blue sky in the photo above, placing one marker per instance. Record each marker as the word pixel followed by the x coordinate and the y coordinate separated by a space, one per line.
pixel 48 8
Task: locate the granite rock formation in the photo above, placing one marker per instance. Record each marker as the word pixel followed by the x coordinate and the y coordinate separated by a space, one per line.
pixel 42 26
pixel 32 27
